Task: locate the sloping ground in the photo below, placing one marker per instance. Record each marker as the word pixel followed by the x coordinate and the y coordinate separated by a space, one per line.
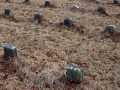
pixel 46 48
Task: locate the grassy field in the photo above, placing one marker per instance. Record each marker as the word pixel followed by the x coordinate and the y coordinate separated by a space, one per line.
pixel 46 48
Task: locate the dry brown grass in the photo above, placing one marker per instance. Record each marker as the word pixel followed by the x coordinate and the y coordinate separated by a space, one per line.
pixel 45 49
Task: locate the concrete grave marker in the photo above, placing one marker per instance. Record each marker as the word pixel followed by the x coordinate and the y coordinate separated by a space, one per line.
pixel 74 74
pixel 47 2
pixel 7 11
pixel 101 9
pixel 110 29
pixel 37 16
pixel 10 51
pixel 115 1
pixel 68 21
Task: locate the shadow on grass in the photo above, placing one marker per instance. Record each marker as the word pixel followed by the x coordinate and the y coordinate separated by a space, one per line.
pixel 50 6
pixel 76 28
pixel 68 85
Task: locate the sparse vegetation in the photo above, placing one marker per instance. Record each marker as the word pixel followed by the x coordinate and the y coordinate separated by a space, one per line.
pixel 45 49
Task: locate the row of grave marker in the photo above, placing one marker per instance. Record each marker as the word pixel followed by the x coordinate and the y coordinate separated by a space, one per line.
pixel 73 74
pixel 47 2
pixel 68 21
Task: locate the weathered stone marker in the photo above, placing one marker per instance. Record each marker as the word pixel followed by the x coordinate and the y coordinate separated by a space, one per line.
pixel 115 1
pixel 101 9
pixel 74 74
pixel 68 21
pixel 110 29
pixel 47 2
pixel 37 16
pixel 7 11
pixel 10 51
